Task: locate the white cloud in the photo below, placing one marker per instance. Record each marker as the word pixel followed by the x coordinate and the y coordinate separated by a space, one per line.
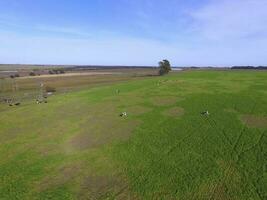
pixel 231 19
pixel 104 50
pixel 64 30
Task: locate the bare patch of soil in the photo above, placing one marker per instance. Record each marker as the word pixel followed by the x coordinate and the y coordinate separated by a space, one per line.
pixel 254 121
pixel 174 112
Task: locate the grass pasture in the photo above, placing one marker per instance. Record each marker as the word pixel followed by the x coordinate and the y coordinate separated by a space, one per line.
pixel 78 147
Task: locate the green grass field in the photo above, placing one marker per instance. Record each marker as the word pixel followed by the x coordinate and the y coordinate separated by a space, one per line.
pixel 78 147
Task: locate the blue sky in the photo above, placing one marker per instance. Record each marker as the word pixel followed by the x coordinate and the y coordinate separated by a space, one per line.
pixel 134 32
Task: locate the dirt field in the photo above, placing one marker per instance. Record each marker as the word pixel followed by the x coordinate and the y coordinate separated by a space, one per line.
pixel 71 74
pixel 28 87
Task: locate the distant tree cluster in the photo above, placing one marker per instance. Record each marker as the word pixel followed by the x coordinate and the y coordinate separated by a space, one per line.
pixel 164 67
pixel 56 71
pixel 250 67
pixel 14 76
pixel 32 74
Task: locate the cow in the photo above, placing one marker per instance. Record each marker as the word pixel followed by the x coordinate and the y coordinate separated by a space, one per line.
pixel 205 113
pixel 123 114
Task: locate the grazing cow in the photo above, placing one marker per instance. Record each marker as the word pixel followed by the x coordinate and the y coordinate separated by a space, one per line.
pixel 124 114
pixel 205 113
pixel 8 100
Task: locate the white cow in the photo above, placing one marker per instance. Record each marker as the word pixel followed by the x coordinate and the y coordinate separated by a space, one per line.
pixel 123 114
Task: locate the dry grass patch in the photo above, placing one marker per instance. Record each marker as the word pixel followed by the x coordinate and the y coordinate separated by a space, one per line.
pixel 106 187
pixel 125 100
pixel 254 121
pixel 174 112
pixel 138 110
pixel 164 101
pixel 231 173
pixel 222 188
pixel 98 135
pixel 101 126
pixel 230 110
pixel 64 174
pixel 70 75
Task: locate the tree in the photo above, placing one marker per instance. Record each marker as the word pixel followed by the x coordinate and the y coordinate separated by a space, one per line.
pixel 164 67
pixel 32 74
pixel 14 76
